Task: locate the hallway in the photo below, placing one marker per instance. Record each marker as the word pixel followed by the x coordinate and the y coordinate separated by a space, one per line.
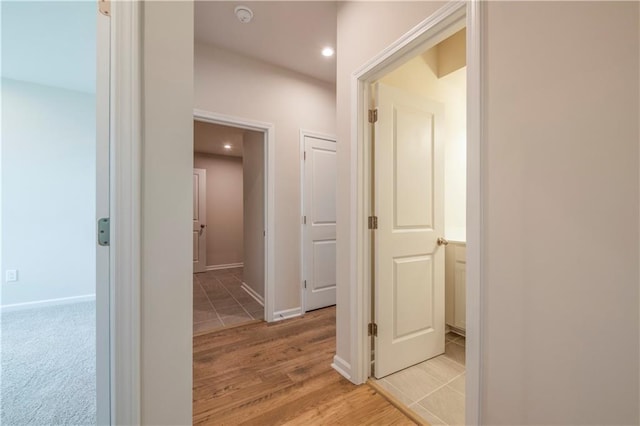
pixel 280 373
pixel 219 301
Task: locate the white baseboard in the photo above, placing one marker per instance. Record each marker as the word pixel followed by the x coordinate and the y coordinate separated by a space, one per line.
pixel 48 302
pixel 342 367
pixel 253 293
pixel 287 313
pixel 227 266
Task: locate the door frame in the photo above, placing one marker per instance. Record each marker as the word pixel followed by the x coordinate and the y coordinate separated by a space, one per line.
pixel 317 135
pixel 268 129
pixel 426 34
pixel 125 210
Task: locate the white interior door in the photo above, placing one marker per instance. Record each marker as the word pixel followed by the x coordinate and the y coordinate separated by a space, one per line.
pixel 409 204
pixel 319 227
pixel 199 220
pixel 103 207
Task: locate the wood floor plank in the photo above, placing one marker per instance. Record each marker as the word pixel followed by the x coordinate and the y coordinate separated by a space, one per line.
pixel 362 406
pixel 288 402
pixel 273 374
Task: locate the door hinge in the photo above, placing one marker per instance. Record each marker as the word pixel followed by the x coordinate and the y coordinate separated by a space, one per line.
pixel 373 222
pixel 373 115
pixel 372 329
pixel 304 155
pixel 304 220
pixel 104 233
pixel 305 283
pixel 105 7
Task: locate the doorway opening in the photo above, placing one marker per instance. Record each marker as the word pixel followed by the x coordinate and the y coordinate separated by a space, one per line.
pixel 232 259
pixel 416 307
pixel 228 226
pixel 56 322
pixel 419 193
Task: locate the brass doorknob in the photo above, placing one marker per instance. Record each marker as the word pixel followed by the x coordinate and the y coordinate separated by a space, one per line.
pixel 442 241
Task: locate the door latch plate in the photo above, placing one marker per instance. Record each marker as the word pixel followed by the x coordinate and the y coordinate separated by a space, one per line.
pixel 104 233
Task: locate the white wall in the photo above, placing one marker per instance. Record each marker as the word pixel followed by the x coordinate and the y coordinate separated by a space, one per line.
pixel 48 192
pixel 560 203
pixel 254 202
pixel 235 85
pixel 167 288
pixel 224 207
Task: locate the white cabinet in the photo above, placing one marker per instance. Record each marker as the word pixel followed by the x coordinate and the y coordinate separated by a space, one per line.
pixel 456 285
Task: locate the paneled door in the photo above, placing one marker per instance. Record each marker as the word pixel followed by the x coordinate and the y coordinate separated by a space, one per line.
pixel 199 220
pixel 409 205
pixel 319 222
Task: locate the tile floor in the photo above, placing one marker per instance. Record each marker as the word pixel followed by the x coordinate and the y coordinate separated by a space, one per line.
pixel 219 301
pixel 434 389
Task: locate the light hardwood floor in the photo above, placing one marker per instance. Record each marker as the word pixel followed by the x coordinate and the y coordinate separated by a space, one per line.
pixel 273 374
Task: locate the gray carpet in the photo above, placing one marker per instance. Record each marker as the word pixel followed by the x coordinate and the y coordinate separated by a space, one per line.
pixel 48 374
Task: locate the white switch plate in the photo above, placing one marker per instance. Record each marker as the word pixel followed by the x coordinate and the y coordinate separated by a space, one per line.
pixel 11 275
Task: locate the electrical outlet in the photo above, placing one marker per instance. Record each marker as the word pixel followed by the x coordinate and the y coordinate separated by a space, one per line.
pixel 11 275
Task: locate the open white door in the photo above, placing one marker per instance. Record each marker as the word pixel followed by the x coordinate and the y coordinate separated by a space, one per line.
pixel 103 210
pixel 199 220
pixel 319 227
pixel 409 205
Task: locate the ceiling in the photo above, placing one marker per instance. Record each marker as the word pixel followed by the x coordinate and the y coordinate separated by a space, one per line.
pixel 50 42
pixel 289 34
pixel 54 42
pixel 209 138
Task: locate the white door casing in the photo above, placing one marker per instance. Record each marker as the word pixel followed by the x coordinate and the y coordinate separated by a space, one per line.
pixel 319 224
pixel 409 204
pixel 199 220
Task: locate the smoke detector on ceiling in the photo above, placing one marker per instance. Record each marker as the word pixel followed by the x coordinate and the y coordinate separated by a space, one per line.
pixel 244 14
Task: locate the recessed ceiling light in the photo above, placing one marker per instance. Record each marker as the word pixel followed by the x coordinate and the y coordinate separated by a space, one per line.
pixel 244 14
pixel 327 51
pixel 227 146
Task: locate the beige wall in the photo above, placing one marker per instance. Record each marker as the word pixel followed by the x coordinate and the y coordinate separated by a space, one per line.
pixel 561 214
pixel 224 207
pixel 167 164
pixel 420 76
pixel 235 85
pixel 254 226
pixel 451 54
pixel 560 204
